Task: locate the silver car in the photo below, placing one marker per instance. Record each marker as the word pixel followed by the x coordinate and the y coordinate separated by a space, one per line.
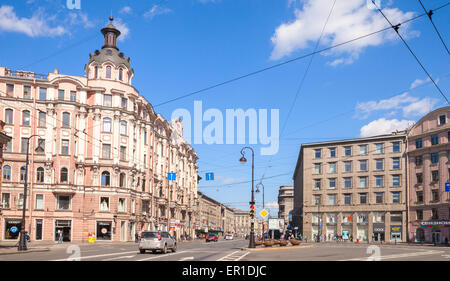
pixel 157 241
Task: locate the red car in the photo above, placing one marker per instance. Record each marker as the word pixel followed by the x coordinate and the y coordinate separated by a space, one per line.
pixel 212 237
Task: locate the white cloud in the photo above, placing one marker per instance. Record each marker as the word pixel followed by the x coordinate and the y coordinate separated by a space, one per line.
pixel 156 10
pixel 383 126
pixel 418 82
pixel 350 19
pixel 123 28
pixel 271 205
pixel 364 109
pixel 35 26
pixel 80 19
pixel 420 108
pixel 229 180
pixel 125 10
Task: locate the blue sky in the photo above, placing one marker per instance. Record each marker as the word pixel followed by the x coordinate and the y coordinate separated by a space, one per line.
pixel 367 87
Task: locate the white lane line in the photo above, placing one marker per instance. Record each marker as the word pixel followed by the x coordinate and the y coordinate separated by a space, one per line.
pixel 227 256
pixel 186 259
pixel 97 256
pixel 162 256
pixel 242 256
pixel 234 256
pixel 118 258
pixel 396 256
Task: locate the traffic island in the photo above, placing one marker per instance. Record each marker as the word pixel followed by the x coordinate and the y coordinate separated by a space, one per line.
pixel 277 248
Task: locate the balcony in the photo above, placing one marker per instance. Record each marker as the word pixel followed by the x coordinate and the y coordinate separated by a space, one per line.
pixel 25 74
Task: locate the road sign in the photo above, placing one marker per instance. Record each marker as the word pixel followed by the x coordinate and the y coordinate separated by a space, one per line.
pixel 276 224
pixel 447 187
pixel 13 229
pixel 209 176
pixel 264 213
pixel 172 176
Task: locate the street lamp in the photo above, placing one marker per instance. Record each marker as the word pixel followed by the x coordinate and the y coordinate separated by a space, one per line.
pixel 257 191
pixel 22 245
pixel 252 203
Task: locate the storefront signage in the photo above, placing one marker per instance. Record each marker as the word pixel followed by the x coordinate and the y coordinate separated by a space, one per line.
pixel 13 229
pixel 378 227
pixel 396 229
pixel 435 224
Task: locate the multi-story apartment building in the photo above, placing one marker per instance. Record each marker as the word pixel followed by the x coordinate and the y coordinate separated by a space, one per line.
pixel 285 202
pixel 99 155
pixel 210 215
pixel 228 219
pixel 352 188
pixel 428 173
pixel 4 139
pixel 242 219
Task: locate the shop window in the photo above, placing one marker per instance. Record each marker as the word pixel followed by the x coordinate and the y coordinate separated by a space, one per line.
pixel 104 231
pixel 64 228
pixel 12 229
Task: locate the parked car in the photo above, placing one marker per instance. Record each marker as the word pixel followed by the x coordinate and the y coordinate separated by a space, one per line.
pixel 157 241
pixel 211 237
pixel 229 237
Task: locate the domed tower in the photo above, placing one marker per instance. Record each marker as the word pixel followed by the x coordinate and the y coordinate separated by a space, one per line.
pixel 109 63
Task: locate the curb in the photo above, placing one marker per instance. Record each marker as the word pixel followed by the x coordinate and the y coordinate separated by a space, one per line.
pixel 277 248
pixel 24 252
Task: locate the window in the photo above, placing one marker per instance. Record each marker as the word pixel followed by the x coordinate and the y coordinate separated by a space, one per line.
pixel 42 119
pixel 419 214
pixel 317 153
pixel 123 153
pixel 104 204
pixel 108 72
pixel 396 146
pixel 42 93
pixel 9 116
pixel 317 200
pixel 347 182
pixel 419 143
pixel 379 197
pixel 419 178
pixel 7 173
pixel 332 183
pixel 20 201
pixel 348 166
pixel 63 202
pixel 395 197
pixel 363 149
pixel 124 103
pixel 333 152
pixel 379 164
pixel 378 148
pixel 61 95
pixel 39 202
pixel 396 163
pixel 332 199
pixel 434 140
pixel 41 146
pixel 332 168
pixel 5 200
pixel 106 151
pixel 122 179
pixel 145 137
pixel 434 214
pixel 73 96
pixel 418 160
pixel 442 120
pixel 419 195
pixel 363 198
pixel 123 127
pixel 107 100
pixel 363 182
pixel 434 158
pixel 317 184
pixel 96 72
pixel 145 206
pixel 106 124
pixel 63 175
pixel 24 145
pixel 317 168
pixel 40 175
pixel 9 90
pixel 363 165
pixel 120 74
pixel 8 147
pixel 66 119
pixel 65 147
pixel 348 151
pixel 105 178
pixel 379 181
pixel 396 180
pixel 26 118
pixel 121 207
pixel 434 176
pixel 347 199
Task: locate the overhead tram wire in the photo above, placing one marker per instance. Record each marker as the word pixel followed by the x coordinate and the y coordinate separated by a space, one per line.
pixel 430 14
pixel 396 28
pixel 292 60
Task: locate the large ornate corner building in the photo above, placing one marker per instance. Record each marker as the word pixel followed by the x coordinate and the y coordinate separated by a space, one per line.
pixel 99 155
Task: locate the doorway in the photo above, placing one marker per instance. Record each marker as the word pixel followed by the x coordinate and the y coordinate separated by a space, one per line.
pixel 436 236
pixel 65 226
pixel 123 232
pixel 38 235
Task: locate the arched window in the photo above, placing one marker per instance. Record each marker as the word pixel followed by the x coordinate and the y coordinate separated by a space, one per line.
pixel 105 178
pixel 26 117
pixel 9 116
pixel 106 124
pixel 123 127
pixel 66 119
pixel 40 175
pixel 120 74
pixel 22 173
pixel 122 180
pixel 108 72
pixel 63 175
pixel 7 173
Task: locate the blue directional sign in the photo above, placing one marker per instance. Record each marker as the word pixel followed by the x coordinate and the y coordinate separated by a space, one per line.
pixel 209 176
pixel 14 229
pixel 172 176
pixel 447 187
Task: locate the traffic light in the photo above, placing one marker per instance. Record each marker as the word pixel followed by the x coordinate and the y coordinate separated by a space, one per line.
pixel 252 211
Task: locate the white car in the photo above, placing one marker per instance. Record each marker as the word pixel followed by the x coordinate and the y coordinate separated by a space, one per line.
pixel 229 237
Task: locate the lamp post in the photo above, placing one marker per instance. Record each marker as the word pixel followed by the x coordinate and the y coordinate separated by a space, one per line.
pixel 252 203
pixel 22 245
pixel 263 221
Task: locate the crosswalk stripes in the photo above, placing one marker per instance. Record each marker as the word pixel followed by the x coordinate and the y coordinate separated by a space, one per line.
pixel 234 256
pixel 398 256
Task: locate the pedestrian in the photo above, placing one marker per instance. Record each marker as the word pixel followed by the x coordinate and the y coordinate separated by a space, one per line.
pixel 136 237
pixel 351 238
pixel 60 236
pixel 27 239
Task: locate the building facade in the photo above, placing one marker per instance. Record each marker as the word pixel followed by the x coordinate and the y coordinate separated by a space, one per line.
pixel 352 188
pixel 285 202
pixel 99 155
pixel 210 216
pixel 428 172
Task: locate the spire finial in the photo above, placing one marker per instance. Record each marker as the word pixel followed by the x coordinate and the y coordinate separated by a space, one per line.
pixel 111 17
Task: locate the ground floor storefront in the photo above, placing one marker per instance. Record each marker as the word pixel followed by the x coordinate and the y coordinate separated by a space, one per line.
pixel 436 232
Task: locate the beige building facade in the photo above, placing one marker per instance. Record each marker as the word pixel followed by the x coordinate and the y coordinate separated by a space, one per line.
pixel 285 202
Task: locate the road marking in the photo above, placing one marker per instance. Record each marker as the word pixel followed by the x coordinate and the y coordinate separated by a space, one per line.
pixel 234 256
pixel 396 256
pixel 242 256
pixel 186 259
pixel 446 256
pixel 97 256
pixel 162 256
pixel 118 258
